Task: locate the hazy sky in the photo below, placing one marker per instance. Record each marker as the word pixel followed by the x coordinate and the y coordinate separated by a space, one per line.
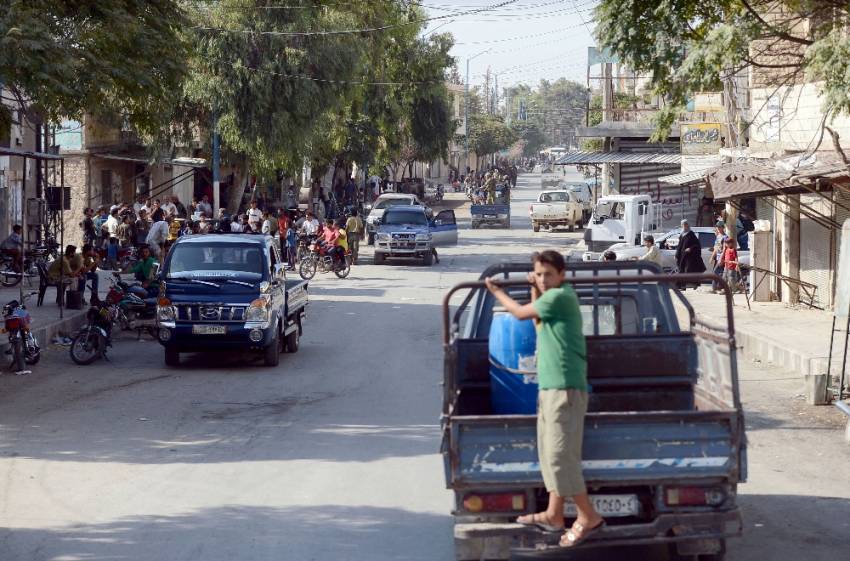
pixel 528 39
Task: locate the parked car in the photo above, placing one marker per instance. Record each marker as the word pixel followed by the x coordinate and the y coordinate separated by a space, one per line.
pixel 667 244
pixel 556 209
pixel 381 204
pixel 228 292
pixel 407 232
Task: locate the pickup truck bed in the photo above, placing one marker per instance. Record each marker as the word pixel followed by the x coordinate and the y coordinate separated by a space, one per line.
pixel 663 413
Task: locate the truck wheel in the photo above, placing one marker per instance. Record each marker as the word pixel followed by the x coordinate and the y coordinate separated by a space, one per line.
pixel 571 228
pixel 271 354
pixel 535 226
pixel 292 341
pixel 172 357
pixel 380 258
pixel 428 259
pixel 474 225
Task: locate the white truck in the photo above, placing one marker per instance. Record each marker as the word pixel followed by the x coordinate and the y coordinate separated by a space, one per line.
pixel 621 219
pixel 555 209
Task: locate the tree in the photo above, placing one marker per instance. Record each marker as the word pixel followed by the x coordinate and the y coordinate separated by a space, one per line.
pixel 489 134
pixel 552 106
pixel 689 46
pixel 117 60
pixel 531 137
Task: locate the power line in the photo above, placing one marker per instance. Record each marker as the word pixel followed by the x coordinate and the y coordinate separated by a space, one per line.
pixel 519 37
pixel 330 32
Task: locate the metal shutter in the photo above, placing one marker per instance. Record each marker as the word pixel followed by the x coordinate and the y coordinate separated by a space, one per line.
pixel 817 250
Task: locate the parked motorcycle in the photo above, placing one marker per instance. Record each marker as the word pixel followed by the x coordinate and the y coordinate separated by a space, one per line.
pixel 91 342
pixel 320 259
pixel 135 310
pixel 22 343
pixel 10 265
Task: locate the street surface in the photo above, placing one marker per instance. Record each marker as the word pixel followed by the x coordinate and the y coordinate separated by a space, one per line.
pixel 335 454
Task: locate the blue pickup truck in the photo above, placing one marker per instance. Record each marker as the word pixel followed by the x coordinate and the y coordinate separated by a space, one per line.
pixel 228 292
pixel 664 446
pixel 498 214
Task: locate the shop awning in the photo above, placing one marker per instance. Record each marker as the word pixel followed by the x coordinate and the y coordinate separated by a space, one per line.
pixel 188 162
pixel 578 158
pixel 689 178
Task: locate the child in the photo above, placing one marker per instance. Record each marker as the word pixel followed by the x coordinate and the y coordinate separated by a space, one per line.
pixel 112 254
pixel 291 246
pixel 730 265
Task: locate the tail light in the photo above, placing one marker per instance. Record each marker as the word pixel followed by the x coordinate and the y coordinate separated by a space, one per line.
pixel 13 323
pixel 494 502
pixel 694 496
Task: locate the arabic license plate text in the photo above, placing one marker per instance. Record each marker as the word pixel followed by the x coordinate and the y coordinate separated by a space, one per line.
pixel 209 329
pixel 489 216
pixel 608 505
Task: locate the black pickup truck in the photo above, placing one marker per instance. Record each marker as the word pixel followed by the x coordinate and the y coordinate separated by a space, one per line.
pixel 228 292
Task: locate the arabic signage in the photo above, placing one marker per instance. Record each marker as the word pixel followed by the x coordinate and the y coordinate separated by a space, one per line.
pixel 700 138
pixel 600 56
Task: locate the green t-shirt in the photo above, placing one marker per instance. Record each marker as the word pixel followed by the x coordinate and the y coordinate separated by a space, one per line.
pixel 561 350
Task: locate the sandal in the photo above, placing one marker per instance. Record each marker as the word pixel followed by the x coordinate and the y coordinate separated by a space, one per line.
pixel 537 521
pixel 578 534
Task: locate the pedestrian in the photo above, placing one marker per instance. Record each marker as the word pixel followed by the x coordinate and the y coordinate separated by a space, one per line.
pixel 689 251
pixel 291 246
pixel 139 204
pixel 158 233
pixel 562 396
pixel 720 238
pixel 169 207
pixel 731 269
pixel 255 216
pixel 142 227
pixel 269 226
pixel 126 234
pixel 112 254
pixel 205 206
pixel 354 229
pixel 87 225
pixel 204 225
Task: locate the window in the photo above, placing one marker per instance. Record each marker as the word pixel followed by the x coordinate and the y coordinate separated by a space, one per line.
pixel 189 260
pixel 399 218
pixel 387 203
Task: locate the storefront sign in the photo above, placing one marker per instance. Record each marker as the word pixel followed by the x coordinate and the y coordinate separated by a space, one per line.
pixel 700 138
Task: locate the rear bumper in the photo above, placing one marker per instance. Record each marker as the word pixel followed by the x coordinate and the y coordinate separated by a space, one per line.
pixel 665 528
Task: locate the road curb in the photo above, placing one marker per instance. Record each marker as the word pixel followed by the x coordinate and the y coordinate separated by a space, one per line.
pixel 45 332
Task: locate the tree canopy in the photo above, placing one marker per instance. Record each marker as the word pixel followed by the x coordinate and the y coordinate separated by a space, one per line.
pixel 554 107
pixel 489 134
pixel 688 46
pixel 123 59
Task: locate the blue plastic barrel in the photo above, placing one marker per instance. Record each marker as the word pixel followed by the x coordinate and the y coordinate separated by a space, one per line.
pixel 513 370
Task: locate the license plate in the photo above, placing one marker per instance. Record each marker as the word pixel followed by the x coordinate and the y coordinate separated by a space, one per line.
pixel 489 216
pixel 608 505
pixel 209 329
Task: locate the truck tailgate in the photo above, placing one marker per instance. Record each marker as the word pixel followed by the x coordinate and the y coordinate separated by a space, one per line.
pixel 489 209
pixel 619 448
pixel 551 211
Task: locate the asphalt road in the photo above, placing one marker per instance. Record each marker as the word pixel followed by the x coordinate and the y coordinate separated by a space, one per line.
pixel 333 455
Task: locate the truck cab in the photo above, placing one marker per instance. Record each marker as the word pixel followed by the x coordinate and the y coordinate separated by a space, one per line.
pixel 228 292
pixel 621 219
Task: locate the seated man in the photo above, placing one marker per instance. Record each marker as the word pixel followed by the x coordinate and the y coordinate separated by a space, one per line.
pixel 13 245
pixel 62 269
pixel 143 269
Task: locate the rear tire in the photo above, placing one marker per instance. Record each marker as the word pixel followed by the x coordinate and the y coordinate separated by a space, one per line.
pixel 535 226
pixel 380 258
pixel 18 355
pixel 428 259
pixel 343 271
pixel 172 357
pixel 292 341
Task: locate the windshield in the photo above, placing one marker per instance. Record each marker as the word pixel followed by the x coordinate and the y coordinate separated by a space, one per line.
pixel 397 218
pixel 387 203
pixel 221 260
pixel 555 197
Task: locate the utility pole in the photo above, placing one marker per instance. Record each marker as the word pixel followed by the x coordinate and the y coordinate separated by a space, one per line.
pixel 607 116
pixel 216 164
pixel 466 109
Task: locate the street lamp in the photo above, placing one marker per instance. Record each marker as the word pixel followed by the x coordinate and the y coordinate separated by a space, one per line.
pixel 466 108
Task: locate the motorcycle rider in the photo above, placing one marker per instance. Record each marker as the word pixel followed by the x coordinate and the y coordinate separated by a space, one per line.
pixel 331 237
pixel 143 268
pixel 13 245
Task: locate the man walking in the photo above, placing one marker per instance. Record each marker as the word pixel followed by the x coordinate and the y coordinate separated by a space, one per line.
pixel 562 398
pixel 689 251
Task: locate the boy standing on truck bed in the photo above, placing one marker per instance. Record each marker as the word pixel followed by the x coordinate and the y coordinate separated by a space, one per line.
pixel 562 397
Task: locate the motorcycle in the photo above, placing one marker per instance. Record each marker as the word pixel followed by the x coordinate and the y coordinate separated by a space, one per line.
pixel 91 342
pixel 304 242
pixel 22 343
pixel 323 260
pixel 10 265
pixel 127 256
pixel 135 309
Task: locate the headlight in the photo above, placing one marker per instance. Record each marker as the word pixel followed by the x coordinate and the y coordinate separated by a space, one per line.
pixel 502 215
pixel 382 237
pixel 257 311
pixel 423 237
pixel 166 313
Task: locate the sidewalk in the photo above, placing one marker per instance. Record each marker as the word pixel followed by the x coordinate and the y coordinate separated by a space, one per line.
pixel 796 339
pixel 46 323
